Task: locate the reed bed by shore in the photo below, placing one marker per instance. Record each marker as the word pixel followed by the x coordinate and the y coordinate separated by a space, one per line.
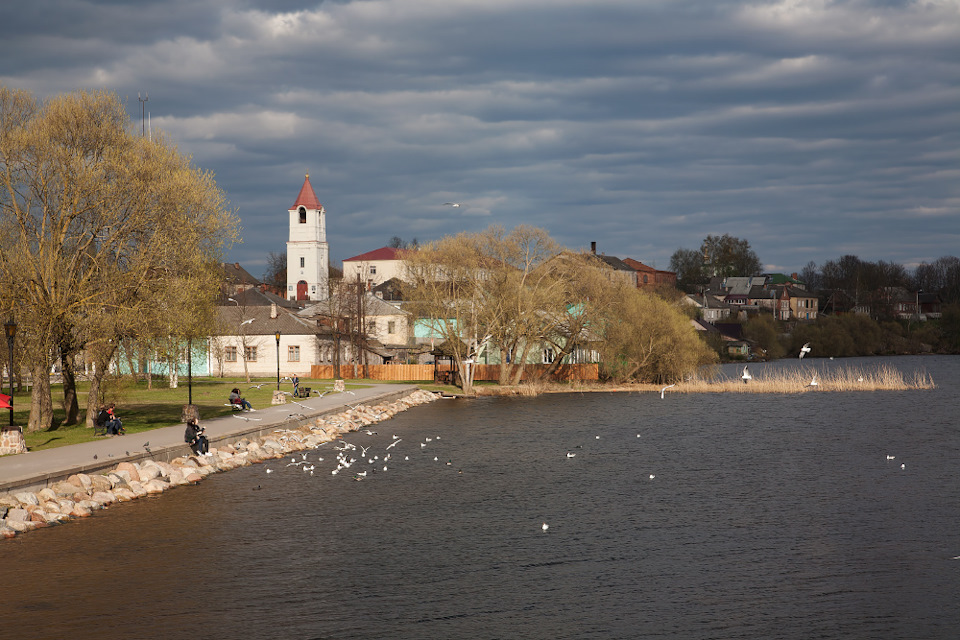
pixel 879 378
pixel 882 378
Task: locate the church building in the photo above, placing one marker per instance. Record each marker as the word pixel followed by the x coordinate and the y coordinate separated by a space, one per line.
pixel 307 249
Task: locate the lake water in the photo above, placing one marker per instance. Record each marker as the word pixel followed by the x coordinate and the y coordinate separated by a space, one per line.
pixel 769 516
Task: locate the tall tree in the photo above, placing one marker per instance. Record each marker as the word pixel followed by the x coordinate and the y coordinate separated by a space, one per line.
pixel 97 222
pixel 689 266
pixel 275 274
pixel 729 256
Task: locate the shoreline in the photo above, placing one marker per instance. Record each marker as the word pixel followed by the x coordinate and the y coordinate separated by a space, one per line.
pixel 81 494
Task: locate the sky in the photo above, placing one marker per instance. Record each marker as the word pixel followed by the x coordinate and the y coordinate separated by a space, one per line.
pixel 812 129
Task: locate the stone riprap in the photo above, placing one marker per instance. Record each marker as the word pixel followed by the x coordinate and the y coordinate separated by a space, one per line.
pixel 82 494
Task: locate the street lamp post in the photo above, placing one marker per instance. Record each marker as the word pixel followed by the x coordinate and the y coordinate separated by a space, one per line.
pixel 277 336
pixel 11 330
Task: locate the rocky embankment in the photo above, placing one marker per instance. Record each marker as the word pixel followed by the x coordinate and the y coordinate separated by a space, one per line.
pixel 82 494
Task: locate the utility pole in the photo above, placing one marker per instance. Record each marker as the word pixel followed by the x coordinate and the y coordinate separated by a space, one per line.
pixel 143 104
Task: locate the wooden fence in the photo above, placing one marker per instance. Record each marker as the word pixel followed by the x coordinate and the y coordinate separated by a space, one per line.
pixel 485 372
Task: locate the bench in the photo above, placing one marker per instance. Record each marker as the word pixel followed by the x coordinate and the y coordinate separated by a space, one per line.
pixel 302 392
pixel 100 429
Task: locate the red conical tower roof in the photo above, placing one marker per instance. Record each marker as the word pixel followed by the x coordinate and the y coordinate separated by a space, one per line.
pixel 307 198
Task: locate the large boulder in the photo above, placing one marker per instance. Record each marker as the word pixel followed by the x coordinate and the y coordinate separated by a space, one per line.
pixel 131 470
pixel 149 471
pixel 100 483
pixel 67 489
pixel 27 498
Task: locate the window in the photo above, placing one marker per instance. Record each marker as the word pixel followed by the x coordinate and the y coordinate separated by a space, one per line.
pixel 230 354
pixel 293 353
pixel 303 215
pixel 303 262
pixel 250 354
pixel 371 326
pixel 548 355
pixel 391 326
pixel 373 270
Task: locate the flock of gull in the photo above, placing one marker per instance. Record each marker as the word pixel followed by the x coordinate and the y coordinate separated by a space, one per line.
pixel 355 460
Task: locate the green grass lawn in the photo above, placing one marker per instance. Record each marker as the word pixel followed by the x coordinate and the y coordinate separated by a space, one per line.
pixel 142 409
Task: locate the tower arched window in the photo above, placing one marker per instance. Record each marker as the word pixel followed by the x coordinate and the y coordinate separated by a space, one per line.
pixel 303 215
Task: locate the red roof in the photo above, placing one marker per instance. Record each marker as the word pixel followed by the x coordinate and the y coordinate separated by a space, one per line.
pixel 383 253
pixel 307 198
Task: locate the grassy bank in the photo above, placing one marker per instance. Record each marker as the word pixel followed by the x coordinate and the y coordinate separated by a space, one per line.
pixel 142 409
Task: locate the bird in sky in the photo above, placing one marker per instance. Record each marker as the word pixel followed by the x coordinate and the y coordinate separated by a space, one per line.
pixel 452 204
pixel 804 350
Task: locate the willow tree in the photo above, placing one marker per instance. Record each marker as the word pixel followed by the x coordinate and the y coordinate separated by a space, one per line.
pixel 515 293
pixel 647 339
pixel 99 229
pixel 445 281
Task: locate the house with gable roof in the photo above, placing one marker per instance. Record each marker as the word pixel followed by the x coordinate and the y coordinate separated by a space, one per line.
pixel 375 267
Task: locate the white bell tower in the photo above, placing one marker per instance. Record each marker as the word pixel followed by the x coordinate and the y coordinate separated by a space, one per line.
pixel 307 250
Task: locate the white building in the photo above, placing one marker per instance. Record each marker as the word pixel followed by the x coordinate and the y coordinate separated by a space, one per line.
pixel 375 267
pixel 307 249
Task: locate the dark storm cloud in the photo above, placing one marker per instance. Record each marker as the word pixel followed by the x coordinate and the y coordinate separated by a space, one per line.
pixel 810 128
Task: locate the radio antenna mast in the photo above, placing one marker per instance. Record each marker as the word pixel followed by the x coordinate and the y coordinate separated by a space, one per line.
pixel 143 101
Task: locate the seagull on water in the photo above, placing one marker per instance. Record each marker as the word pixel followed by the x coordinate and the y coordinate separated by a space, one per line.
pixel 544 526
pixel 664 389
pixel 652 476
pixel 571 455
pixel 891 457
pixel 804 350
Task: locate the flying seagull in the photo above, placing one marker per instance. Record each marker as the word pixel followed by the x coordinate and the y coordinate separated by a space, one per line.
pixel 746 375
pixel 664 389
pixel 246 418
pixel 813 382
pixel 804 350
pixel 451 204
pixel 247 321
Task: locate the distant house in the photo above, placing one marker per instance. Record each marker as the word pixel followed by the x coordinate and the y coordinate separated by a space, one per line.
pixel 649 277
pixel 930 305
pixel 236 278
pixel 375 267
pixel 387 332
pixel 618 270
pixel 711 309
pixel 246 341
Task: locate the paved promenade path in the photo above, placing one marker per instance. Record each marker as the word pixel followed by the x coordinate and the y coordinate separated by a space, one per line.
pixel 34 470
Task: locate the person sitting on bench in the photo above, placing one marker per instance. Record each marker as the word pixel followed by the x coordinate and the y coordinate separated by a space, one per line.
pixel 113 423
pixel 100 424
pixel 195 438
pixel 236 398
